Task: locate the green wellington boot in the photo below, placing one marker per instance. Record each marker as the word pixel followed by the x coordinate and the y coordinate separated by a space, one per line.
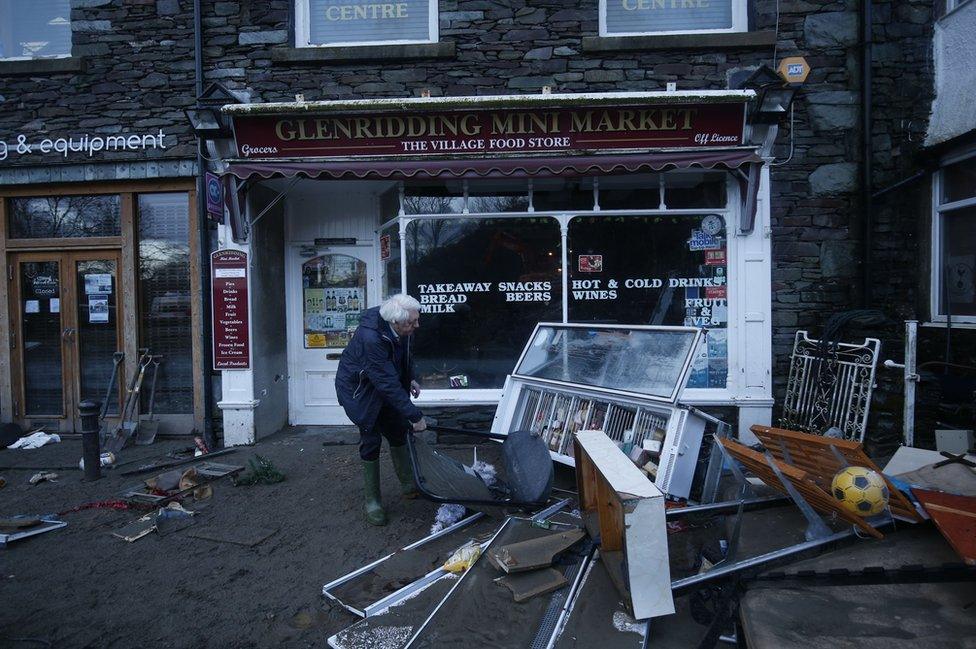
pixel 371 488
pixel 404 470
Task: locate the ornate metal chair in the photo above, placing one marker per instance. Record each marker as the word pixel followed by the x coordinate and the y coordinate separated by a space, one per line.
pixel 830 385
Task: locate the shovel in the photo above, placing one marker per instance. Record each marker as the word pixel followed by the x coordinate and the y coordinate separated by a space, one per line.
pixel 148 424
pixel 127 427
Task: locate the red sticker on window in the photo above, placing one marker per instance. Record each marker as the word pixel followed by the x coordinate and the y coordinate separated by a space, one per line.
pixel 715 257
pixel 715 292
pixel 591 263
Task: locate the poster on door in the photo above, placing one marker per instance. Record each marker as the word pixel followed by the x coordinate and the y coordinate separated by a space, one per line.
pixel 97 309
pixel 98 283
pixel 331 315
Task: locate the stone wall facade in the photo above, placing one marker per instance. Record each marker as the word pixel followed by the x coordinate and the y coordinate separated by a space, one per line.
pixel 137 74
pixel 131 73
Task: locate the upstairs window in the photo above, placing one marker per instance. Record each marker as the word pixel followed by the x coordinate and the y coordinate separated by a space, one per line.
pixel 660 17
pixel 35 29
pixel 364 22
pixel 954 242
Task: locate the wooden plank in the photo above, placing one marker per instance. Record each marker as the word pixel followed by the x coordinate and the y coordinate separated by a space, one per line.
pixel 819 499
pixel 201 366
pixel 6 297
pixel 955 516
pixel 611 518
pixel 100 187
pixel 129 281
pixel 813 454
pixel 65 243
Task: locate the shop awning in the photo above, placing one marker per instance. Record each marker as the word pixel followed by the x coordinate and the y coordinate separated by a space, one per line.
pixel 549 166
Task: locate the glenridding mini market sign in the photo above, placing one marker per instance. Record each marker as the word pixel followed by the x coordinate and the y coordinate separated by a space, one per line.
pixel 462 132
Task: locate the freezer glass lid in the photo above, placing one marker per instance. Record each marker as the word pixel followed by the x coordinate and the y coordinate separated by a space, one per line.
pixel 649 361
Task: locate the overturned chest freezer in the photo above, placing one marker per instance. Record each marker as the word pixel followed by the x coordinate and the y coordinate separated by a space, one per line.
pixel 622 380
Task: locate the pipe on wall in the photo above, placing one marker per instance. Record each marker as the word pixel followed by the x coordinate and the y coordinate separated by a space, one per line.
pixel 203 232
pixel 867 208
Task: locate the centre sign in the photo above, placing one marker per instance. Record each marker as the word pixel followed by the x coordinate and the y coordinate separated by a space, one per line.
pixel 472 132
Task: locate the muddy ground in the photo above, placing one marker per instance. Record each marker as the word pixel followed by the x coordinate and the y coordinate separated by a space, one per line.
pixel 82 587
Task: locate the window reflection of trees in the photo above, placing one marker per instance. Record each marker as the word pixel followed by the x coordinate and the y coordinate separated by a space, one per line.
pixel 65 216
pixel 164 296
pixel 427 236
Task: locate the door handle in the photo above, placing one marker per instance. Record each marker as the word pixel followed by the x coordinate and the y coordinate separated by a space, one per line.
pixel 68 334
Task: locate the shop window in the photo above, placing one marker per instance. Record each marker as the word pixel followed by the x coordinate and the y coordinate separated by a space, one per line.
pixel 340 22
pixel 498 202
pixel 165 299
pixel 654 17
pixel 654 270
pixel 334 296
pixel 52 217
pixel 35 29
pixel 634 192
pixel 483 284
pixel 688 191
pixel 557 194
pixel 954 243
pixel 433 199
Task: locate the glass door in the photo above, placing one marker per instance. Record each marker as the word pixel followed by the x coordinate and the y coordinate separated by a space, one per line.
pixel 66 306
pixel 40 335
pixel 96 329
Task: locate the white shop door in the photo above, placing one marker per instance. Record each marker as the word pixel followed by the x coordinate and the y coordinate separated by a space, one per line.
pixel 327 292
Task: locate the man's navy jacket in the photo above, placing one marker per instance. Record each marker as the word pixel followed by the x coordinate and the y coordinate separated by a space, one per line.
pixel 375 369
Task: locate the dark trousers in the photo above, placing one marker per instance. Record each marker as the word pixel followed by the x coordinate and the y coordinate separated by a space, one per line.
pixel 389 424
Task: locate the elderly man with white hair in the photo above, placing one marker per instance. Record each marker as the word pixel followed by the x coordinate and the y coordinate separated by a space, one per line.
pixel 374 383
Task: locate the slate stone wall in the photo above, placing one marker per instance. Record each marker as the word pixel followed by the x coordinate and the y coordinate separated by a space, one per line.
pixel 136 76
pixel 138 56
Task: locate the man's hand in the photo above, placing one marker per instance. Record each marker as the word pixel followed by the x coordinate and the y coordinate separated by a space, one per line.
pixel 415 389
pixel 420 425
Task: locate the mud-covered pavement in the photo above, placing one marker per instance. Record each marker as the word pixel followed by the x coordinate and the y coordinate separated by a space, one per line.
pixel 82 587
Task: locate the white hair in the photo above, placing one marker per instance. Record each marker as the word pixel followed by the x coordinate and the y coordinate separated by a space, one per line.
pixel 396 308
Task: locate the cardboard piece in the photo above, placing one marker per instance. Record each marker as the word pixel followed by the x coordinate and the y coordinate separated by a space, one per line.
pixel 535 553
pixel 526 585
pixel 622 508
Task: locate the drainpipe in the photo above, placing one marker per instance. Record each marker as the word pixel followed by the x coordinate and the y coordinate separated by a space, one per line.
pixel 203 232
pixel 867 209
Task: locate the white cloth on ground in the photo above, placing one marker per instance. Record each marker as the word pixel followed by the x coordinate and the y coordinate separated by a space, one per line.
pixel 36 439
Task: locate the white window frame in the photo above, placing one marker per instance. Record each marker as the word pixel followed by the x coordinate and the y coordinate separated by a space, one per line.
pixel 740 23
pixel 48 56
pixel 303 29
pixel 952 5
pixel 938 209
